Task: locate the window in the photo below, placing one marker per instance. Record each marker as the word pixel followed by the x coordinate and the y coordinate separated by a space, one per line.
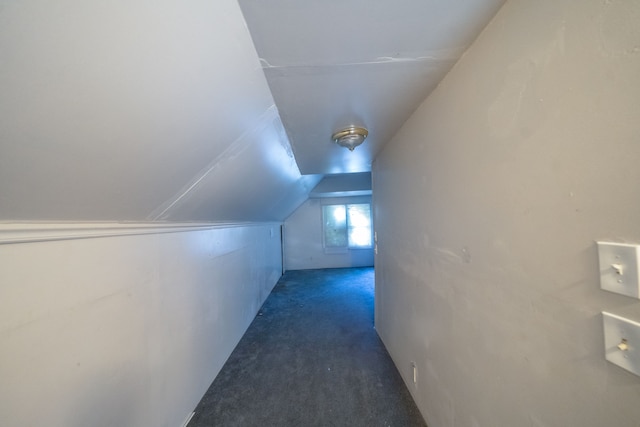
pixel 347 226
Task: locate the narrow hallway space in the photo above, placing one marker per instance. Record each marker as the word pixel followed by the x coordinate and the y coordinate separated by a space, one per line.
pixel 311 357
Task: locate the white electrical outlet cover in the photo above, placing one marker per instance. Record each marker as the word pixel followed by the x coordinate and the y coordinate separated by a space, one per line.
pixel 619 268
pixel 622 342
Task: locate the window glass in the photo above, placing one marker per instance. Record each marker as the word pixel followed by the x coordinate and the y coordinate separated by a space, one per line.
pixel 359 220
pixel 347 226
pixel 335 226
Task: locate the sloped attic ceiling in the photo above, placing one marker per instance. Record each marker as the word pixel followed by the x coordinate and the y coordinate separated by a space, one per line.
pixel 137 111
pixel 160 111
pixel 370 63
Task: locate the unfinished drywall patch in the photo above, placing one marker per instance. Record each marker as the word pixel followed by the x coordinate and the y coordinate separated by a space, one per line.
pixel 524 156
pixel 619 30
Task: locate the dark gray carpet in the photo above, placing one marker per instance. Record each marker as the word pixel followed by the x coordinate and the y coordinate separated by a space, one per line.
pixel 311 357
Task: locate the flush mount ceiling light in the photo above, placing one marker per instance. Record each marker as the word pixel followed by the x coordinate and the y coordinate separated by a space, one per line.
pixel 350 137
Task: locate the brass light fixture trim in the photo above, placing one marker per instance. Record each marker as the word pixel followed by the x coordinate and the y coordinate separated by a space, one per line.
pixel 350 137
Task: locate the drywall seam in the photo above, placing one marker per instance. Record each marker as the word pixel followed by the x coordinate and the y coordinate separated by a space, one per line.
pixel 436 55
pixel 267 117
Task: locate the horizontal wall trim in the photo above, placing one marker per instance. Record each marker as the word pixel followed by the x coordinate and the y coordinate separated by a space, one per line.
pixel 14 233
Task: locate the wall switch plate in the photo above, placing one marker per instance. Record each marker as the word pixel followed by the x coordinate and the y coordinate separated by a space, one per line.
pixel 619 268
pixel 622 342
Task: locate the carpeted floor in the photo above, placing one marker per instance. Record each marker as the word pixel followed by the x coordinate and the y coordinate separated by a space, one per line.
pixel 311 357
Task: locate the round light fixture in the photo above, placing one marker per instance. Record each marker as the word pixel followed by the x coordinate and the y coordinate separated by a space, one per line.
pixel 350 137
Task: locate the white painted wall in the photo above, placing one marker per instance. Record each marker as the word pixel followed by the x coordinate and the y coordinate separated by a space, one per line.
pixel 128 329
pixel 303 242
pixel 487 205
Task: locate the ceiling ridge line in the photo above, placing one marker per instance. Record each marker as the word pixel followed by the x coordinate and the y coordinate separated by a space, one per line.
pixel 267 115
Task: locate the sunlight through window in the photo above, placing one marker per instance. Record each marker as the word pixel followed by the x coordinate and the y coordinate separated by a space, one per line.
pixel 347 226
